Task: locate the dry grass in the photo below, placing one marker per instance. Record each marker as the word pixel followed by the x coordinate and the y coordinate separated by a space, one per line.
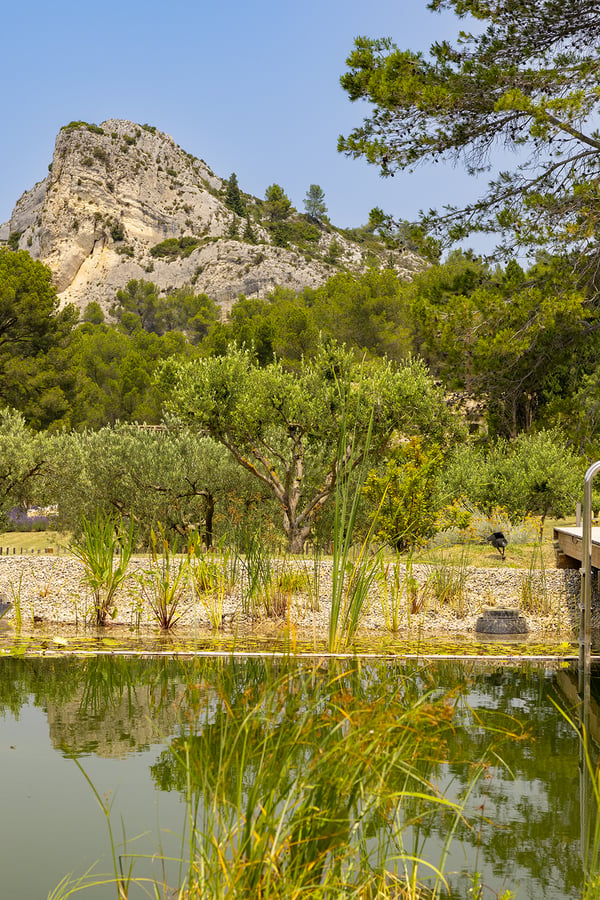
pixel 482 555
pixel 30 541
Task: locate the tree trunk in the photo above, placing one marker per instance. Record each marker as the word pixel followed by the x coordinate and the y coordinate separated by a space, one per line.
pixel 297 535
pixel 208 520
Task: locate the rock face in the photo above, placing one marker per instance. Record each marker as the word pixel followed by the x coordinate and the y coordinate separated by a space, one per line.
pixel 116 191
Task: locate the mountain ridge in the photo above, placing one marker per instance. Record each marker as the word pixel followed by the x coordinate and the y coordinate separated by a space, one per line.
pixel 123 201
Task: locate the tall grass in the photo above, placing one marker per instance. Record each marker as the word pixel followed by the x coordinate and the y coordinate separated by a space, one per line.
pixel 104 550
pixel 305 785
pixel 165 581
pixel 447 583
pixel 535 597
pixel 354 570
pixel 211 579
pixel 399 592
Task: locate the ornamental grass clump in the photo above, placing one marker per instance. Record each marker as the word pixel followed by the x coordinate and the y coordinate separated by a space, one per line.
pixel 276 594
pixel 534 593
pixel 212 581
pixel 165 582
pixel 447 584
pixel 399 592
pixel 104 550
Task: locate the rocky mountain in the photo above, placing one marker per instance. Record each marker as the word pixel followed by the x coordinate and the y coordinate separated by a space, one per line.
pixel 124 201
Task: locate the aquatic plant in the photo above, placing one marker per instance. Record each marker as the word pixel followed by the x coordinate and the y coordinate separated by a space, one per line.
pixel 303 784
pixel 211 579
pixel 104 550
pixel 534 594
pixel 276 594
pixel 354 571
pixel 165 581
pixel 447 583
pixel 16 599
pixel 399 592
pixel 253 559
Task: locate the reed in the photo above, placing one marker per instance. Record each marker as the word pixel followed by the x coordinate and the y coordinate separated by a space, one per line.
pixel 254 560
pixel 164 582
pixel 354 571
pixel 534 594
pixel 301 783
pixel 16 599
pixel 104 550
pixel 399 592
pixel 447 583
pixel 211 580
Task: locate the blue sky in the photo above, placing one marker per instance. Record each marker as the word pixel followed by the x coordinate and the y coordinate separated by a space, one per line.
pixel 250 87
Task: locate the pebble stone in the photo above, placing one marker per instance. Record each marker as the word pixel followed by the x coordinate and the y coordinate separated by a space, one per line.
pixel 53 591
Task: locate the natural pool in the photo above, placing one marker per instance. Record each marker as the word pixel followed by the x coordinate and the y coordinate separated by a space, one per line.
pixel 165 741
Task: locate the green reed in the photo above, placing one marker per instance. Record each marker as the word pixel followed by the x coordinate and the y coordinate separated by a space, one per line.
pixel 212 580
pixel 447 583
pixel 354 570
pixel 399 592
pixel 534 594
pixel 300 783
pixel 104 550
pixel 164 582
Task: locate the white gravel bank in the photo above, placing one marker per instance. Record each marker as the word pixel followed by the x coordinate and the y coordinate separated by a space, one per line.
pixel 52 590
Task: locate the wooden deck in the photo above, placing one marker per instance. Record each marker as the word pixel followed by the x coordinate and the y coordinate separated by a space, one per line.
pixel 568 546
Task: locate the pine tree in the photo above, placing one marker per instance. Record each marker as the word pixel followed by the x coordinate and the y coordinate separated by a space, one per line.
pixel 314 202
pixel 233 196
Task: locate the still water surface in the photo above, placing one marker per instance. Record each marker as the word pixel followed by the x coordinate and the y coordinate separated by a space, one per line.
pixel 118 717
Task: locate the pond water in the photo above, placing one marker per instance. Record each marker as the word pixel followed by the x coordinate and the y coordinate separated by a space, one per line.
pixel 77 735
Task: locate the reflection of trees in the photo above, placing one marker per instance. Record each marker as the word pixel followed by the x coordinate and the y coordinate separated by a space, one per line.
pixel 36 680
pixel 106 705
pixel 529 799
pixel 312 761
pixel 340 737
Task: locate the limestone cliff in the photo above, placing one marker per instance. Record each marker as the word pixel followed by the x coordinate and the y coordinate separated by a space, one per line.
pixel 116 192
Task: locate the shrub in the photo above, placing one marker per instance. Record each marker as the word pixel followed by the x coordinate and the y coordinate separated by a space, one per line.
pixel 13 240
pixel 117 232
pixel 173 248
pixel 73 126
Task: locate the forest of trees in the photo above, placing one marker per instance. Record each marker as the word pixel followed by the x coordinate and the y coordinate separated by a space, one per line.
pixel 477 382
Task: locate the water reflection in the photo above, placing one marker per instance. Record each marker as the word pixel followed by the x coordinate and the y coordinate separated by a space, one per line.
pixel 525 815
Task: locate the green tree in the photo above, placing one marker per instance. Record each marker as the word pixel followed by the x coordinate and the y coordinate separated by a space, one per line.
pixel 314 202
pixel 135 306
pixel 175 479
pixel 402 495
pixel 93 313
pixel 115 374
pixel 285 428
pixel 523 78
pixel 520 341
pixel 366 311
pixel 278 205
pixel 36 375
pixel 24 461
pixel 536 474
pixel 233 196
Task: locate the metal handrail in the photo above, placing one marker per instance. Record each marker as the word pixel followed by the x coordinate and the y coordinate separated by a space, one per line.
pixel 585 613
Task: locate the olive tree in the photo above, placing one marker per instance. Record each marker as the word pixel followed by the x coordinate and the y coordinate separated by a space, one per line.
pixel 172 477
pixel 24 461
pixel 299 432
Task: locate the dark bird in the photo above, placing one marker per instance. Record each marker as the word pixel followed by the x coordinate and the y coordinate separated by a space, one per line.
pixel 498 541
